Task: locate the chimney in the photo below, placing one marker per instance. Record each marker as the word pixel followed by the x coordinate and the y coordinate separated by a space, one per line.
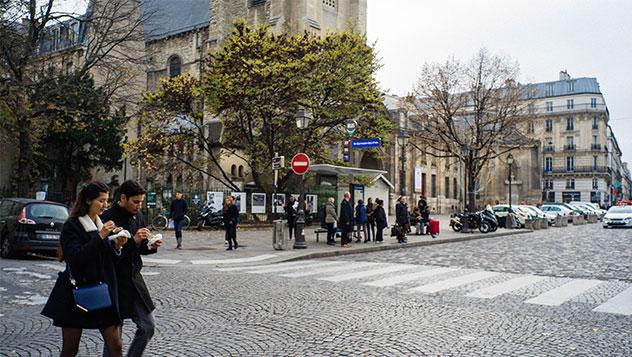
pixel 564 76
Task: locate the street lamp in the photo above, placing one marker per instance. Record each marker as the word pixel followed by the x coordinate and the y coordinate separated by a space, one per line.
pixel 510 217
pixel 125 162
pixel 465 151
pixel 302 118
pixel 402 139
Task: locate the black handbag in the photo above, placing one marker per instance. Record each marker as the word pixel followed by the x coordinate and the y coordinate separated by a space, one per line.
pixel 396 230
pixel 91 297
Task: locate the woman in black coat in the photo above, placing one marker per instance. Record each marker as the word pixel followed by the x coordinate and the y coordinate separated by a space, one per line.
pixel 290 214
pixel 89 255
pixel 380 220
pixel 231 217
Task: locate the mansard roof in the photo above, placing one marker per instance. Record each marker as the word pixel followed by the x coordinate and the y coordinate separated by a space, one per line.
pixel 563 88
pixel 165 18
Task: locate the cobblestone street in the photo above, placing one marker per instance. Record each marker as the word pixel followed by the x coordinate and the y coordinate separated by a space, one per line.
pixel 561 292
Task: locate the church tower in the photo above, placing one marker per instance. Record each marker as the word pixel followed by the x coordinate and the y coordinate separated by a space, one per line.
pixel 294 16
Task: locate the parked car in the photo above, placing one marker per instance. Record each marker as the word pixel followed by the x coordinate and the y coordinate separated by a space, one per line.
pixel 576 210
pixel 28 225
pixel 590 207
pixel 563 211
pixel 550 217
pixel 502 211
pixel 618 216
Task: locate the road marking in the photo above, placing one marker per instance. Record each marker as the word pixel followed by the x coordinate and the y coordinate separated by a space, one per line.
pixel 563 293
pixel 495 290
pixel 58 267
pixel 453 282
pixel 263 266
pixel 620 304
pixel 398 279
pixel 327 270
pixel 161 261
pixel 368 273
pixel 149 273
pixel 305 265
pixel 256 258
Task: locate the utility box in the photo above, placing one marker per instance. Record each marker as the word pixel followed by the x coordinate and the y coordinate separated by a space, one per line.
pixel 279 242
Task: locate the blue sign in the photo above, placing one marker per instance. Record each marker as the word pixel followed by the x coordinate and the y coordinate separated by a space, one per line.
pixel 366 143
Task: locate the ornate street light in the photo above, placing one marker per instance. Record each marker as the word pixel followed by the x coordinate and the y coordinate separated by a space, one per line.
pixel 510 223
pixel 302 118
pixel 402 140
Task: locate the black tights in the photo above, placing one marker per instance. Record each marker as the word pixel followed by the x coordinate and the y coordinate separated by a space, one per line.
pixel 72 336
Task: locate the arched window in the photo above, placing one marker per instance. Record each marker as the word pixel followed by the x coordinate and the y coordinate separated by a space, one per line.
pixel 233 170
pixel 175 66
pixel 241 170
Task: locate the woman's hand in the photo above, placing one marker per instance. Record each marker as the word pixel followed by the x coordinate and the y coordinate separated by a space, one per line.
pixel 107 228
pixel 120 241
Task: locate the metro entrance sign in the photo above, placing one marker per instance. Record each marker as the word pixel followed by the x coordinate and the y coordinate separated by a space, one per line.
pixel 300 163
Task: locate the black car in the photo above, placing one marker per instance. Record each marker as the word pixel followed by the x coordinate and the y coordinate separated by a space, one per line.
pixel 28 225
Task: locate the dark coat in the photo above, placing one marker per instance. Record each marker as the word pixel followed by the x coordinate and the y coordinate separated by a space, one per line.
pixel 346 214
pixel 290 212
pixel 422 204
pixel 380 217
pixel 361 215
pixel 131 283
pixel 401 214
pixel 178 209
pixel 91 260
pixel 231 216
pixel 370 209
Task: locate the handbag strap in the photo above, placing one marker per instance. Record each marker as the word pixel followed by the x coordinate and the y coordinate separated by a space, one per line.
pixel 73 281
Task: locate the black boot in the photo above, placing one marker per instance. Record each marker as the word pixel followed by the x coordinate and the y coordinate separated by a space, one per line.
pixel 235 242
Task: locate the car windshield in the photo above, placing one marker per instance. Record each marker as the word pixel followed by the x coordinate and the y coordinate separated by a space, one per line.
pixel 43 210
pixel 620 209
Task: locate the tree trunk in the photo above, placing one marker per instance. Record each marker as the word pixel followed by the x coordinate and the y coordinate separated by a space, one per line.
pixel 25 157
pixel 471 190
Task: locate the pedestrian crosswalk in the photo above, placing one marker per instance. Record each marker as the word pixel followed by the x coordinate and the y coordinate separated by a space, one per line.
pixel 428 279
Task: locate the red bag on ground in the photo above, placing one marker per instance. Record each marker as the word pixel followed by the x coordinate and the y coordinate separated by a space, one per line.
pixel 433 226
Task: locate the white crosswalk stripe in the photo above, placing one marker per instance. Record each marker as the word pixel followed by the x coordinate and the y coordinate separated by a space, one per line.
pixel 263 266
pixel 274 269
pixel 404 278
pixel 453 282
pixel 563 293
pixel 329 270
pixel 369 273
pixel 493 291
pixel 620 304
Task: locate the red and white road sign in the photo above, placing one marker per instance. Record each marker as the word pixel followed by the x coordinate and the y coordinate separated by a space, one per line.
pixel 300 163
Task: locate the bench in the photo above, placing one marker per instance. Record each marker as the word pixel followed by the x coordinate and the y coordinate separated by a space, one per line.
pixel 320 230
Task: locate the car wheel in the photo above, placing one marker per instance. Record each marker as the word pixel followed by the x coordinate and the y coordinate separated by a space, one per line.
pixel 5 248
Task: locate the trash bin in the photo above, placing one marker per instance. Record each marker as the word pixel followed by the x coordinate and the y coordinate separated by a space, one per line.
pixel 278 235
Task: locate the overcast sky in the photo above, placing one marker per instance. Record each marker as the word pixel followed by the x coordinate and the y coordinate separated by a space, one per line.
pixel 587 38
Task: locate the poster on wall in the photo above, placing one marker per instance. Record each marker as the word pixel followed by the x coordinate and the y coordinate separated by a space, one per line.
pixel 278 202
pixel 216 200
pixel 240 201
pixel 310 203
pixel 258 203
pixel 417 179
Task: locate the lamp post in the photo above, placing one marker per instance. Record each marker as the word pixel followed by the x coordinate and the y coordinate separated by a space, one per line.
pixel 510 217
pixel 465 150
pixel 125 162
pixel 402 139
pixel 302 118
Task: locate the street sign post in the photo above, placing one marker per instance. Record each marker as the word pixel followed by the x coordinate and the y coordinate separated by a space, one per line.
pixel 300 163
pixel 366 143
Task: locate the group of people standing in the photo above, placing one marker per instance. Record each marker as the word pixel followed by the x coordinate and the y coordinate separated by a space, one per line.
pixel 93 257
pixel 366 218
pixel 405 220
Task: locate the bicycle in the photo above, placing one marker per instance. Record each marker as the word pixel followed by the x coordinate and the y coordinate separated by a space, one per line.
pixel 161 221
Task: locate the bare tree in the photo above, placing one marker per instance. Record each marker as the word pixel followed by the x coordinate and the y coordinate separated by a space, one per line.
pixel 109 51
pixel 471 112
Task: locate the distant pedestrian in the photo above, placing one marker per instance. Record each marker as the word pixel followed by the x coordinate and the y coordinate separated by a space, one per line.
pixel 177 210
pixel 361 220
pixel 330 219
pixel 290 214
pixel 370 210
pixel 345 220
pixel 231 218
pixel 380 220
pixel 89 257
pixel 425 218
pixel 422 204
pixel 416 220
pixel 401 218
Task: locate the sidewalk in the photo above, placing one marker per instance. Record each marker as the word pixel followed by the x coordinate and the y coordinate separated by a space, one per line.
pixel 255 246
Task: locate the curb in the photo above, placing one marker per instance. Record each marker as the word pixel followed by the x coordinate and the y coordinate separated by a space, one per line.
pixel 379 248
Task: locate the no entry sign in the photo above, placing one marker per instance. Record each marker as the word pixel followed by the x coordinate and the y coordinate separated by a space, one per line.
pixel 300 164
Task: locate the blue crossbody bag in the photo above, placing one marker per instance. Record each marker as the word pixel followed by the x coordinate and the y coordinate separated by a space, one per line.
pixel 91 297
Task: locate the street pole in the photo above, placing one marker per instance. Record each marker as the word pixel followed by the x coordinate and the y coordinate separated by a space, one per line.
pixel 510 217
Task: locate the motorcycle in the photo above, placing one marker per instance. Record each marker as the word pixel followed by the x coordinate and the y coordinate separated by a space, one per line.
pixel 488 217
pixel 485 221
pixel 456 222
pixel 207 217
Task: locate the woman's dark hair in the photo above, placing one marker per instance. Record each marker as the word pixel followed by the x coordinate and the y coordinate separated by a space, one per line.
pixel 90 192
pixel 131 188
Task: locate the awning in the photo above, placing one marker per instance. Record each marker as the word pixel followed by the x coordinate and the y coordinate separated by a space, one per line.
pixel 327 169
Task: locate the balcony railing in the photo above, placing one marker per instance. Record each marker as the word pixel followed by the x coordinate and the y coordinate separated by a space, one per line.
pixel 570 128
pixel 596 147
pixel 549 148
pixel 595 127
pixel 564 109
pixel 576 169
pixel 569 147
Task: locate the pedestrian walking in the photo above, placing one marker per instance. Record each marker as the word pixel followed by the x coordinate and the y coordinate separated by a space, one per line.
pixel 345 220
pixel 134 299
pixel 361 220
pixel 89 257
pixel 177 210
pixel 401 219
pixel 231 218
pixel 380 220
pixel 290 214
pixel 370 210
pixel 330 220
